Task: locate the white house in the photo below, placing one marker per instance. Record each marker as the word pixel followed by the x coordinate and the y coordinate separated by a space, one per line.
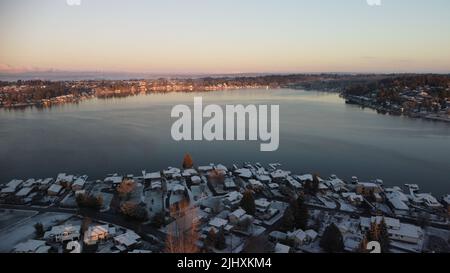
pixel 63 233
pixel 299 237
pixel 94 234
pixel 79 183
pixel 127 239
pixel 262 205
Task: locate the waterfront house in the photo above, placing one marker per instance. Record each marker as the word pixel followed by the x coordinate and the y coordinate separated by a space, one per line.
pixel 368 189
pixel 114 179
pixel 54 190
pixel 189 172
pixel 244 173
pixel 294 184
pixel 79 183
pixel 172 173
pixel 279 175
pixel 398 231
pixel 64 179
pixel 397 200
pixel 336 184
pixel 353 198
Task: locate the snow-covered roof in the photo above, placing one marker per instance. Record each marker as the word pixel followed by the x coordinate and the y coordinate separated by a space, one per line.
pixel 255 183
pixel 114 179
pixel 46 181
pixel 264 178
pixel 280 174
pixel 299 235
pixel 24 192
pixel 153 175
pixel 396 201
pixel 8 190
pixel 97 230
pixel 218 222
pixel 281 249
pixel 244 173
pixel 221 167
pixel 189 172
pixel 127 239
pixel 64 177
pixel 274 186
pixel 368 185
pixel 62 229
pixel 353 196
pixel 294 183
pixel 79 182
pixel 407 230
pixel 305 177
pixel 262 202
pixel 312 234
pixel 233 196
pixel 238 213
pixel 205 168
pixel 55 188
pixel 196 179
pixel 171 171
pixel 14 183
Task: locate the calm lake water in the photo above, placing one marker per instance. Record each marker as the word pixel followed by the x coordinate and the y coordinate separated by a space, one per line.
pixel 318 133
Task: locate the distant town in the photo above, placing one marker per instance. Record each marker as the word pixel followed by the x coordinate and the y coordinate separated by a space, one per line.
pixel 246 208
pixel 415 95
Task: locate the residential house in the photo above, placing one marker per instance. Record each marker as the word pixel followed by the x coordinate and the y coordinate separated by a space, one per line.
pixel 63 233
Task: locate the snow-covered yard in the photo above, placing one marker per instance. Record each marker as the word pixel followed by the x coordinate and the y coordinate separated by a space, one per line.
pixel 23 230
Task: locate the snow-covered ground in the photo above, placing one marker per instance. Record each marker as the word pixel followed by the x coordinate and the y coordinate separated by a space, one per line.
pixel 24 230
pixel 9 217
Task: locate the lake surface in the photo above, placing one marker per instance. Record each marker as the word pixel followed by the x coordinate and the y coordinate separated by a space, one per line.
pixel 318 133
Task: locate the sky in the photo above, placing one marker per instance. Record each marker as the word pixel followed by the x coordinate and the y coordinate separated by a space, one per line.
pixel 225 36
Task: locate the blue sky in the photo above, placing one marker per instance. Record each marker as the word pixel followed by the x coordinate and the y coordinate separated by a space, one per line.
pixel 225 36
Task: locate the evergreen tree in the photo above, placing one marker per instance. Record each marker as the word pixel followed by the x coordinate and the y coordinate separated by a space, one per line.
pixel 220 240
pixel 332 240
pixel 288 219
pixel 384 239
pixel 315 184
pixel 301 214
pixel 39 230
pixel 248 203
